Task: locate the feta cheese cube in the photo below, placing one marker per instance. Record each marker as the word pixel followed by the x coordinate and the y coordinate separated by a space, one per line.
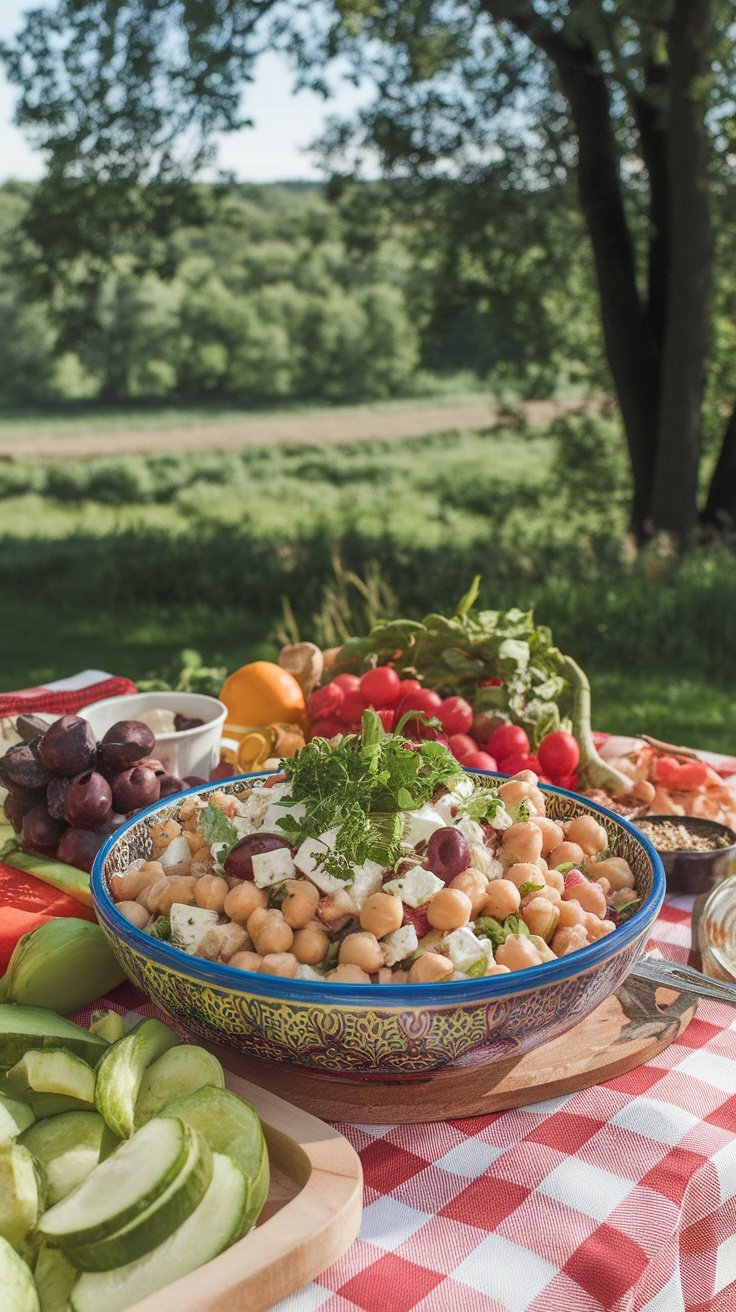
pixel 400 944
pixel 279 809
pixel 464 949
pixel 415 887
pixel 272 867
pixel 309 858
pixel 419 825
pixel 449 806
pixel 189 925
pixel 177 853
pixel 471 831
pixel 308 972
pixel 502 819
pixel 366 881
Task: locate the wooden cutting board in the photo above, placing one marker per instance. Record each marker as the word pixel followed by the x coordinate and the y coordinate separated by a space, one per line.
pixel 628 1029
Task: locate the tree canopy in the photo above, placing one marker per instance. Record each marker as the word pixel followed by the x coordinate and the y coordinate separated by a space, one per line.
pixel 630 103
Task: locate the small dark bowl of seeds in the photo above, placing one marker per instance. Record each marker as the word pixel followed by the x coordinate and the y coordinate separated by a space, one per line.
pixel 696 854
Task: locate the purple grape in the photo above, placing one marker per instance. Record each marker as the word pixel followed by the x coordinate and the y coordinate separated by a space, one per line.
pixel 127 742
pixel 182 722
pixel 170 784
pixel 448 853
pixel 23 766
pixel 239 861
pixel 30 727
pixel 79 847
pixel 41 831
pixel 151 763
pixel 88 800
pixel 135 788
pixel 13 810
pixel 68 746
pixel 55 794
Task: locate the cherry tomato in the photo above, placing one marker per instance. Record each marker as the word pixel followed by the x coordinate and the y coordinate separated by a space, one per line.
pixel 417 916
pixel 666 771
pixel 348 682
pixel 506 740
pixel 456 715
pixel 479 761
pixel 461 745
pixel 326 729
pixel 381 687
pixel 559 754
pixel 325 702
pixel 354 703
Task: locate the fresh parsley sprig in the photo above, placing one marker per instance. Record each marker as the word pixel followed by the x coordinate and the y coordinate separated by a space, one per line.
pixel 361 787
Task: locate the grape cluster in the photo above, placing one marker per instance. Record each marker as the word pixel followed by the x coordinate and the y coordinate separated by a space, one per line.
pixel 67 792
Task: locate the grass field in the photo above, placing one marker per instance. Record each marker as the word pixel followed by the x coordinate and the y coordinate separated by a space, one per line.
pixel 120 563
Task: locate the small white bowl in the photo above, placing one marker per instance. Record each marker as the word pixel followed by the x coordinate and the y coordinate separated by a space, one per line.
pixel 189 752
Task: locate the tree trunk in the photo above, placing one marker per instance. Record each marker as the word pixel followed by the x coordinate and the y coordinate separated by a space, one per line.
pixel 674 495
pixel 719 511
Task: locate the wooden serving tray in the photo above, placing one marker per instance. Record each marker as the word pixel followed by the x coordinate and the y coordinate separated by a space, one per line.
pixel 312 1215
pixel 628 1029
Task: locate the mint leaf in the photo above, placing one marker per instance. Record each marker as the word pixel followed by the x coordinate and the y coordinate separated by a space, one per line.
pixel 216 827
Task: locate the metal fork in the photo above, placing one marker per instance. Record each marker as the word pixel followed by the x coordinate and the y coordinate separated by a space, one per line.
pixel 659 970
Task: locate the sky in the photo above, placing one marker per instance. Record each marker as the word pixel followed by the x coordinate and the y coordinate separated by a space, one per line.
pixel 274 150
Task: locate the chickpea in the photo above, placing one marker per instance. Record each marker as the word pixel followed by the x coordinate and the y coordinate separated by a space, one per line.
pixel 160 897
pixel 203 864
pixel 429 968
pixel 449 909
pixel 279 963
pixel 541 917
pixel 525 873
pixel 195 840
pixel 256 920
pixel 513 792
pixel 135 913
pixel 399 976
pixel 381 914
pixel 555 879
pixel 361 949
pixel 162 834
pixel 517 953
pixel 311 943
pixel 563 853
pixel 537 803
pixel 521 842
pixel 300 903
pixel 271 934
pixel 223 941
pixel 348 975
pixel 569 938
pixel 385 975
pixel 243 900
pixel 527 777
pixel 552 894
pixel 126 888
pixel 502 899
pixel 474 885
pixel 617 871
pixel 552 833
pixel 498 970
pixel 587 833
pixel 571 913
pixel 246 960
pixel 590 896
pixel 597 928
pixel 211 892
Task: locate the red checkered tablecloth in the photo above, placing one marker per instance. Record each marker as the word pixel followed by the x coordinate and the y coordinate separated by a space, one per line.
pixel 621 1198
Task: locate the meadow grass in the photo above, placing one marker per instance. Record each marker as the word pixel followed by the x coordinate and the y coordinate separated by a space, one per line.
pixel 122 563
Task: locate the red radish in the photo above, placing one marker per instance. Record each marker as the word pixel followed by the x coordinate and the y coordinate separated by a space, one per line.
pixel 381 687
pixel 461 745
pixel 348 682
pixel 326 701
pixel 419 699
pixel 574 878
pixel 456 715
pixel 569 781
pixel 559 754
pixel 353 705
pixel 518 761
pixel 479 761
pixel 507 740
pixel 484 725
pixel 386 716
pixel 409 685
pixel 326 729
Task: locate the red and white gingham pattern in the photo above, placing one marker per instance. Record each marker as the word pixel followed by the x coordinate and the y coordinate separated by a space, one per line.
pixel 621 1198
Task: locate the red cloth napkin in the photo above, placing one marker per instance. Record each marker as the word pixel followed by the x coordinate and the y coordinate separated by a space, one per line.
pixel 62 701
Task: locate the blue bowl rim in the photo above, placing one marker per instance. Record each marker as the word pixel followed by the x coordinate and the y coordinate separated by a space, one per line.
pixel 486 988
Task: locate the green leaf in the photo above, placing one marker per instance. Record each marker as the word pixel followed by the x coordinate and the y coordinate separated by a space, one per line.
pixel 478 968
pixel 161 928
pixel 216 828
pixel 492 929
pixel 529 887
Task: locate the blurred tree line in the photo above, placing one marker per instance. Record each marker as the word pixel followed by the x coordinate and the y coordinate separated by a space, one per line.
pixel 288 292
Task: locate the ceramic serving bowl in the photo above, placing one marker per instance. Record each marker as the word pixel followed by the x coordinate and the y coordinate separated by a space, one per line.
pixel 366 1030
pixel 688 870
pixel 189 751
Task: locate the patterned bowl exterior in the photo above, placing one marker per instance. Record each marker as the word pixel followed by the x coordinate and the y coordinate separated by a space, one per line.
pixel 395 1030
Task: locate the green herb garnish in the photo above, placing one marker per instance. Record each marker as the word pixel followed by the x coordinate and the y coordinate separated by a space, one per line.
pixel 161 928
pixel 529 887
pixel 361 787
pixel 522 811
pixel 216 828
pixel 483 805
pixel 492 929
pixel 477 969
pixel 277 895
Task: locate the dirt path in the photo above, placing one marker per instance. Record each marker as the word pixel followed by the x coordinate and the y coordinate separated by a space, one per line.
pixel 343 424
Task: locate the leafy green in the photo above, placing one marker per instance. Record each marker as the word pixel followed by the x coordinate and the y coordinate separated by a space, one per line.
pixel 529 887
pixel 361 787
pixel 277 895
pixel 483 805
pixel 477 969
pixel 216 828
pixel 161 928
pixel 492 929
